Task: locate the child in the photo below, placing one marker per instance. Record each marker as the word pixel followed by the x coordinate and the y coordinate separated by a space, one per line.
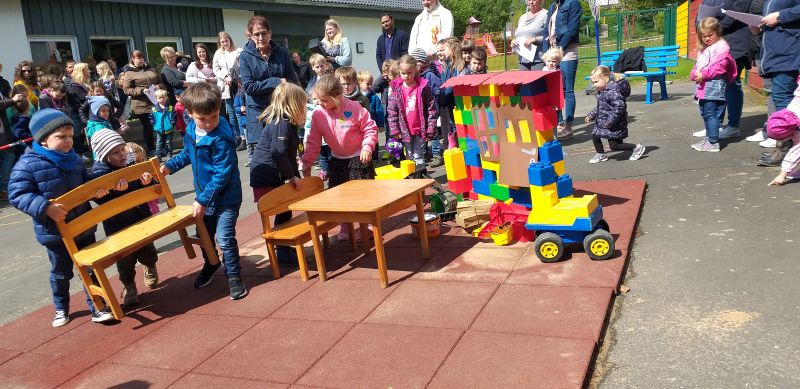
pixel 467 47
pixel 350 133
pixel 453 65
pixel 348 77
pixel 96 88
pixel 477 62
pixel 180 113
pixel 376 111
pixel 49 170
pixel 318 66
pixel 19 115
pixel 240 108
pixel 412 110
pixel 275 159
pixel 163 118
pixel 712 72
pixel 611 115
pixel 429 72
pixel 552 62
pixel 783 125
pixel 54 96
pixel 210 147
pixel 136 154
pixel 109 147
pixel 100 109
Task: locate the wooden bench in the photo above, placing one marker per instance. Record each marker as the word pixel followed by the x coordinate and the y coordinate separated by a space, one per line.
pixel 104 253
pixel 657 59
pixel 296 231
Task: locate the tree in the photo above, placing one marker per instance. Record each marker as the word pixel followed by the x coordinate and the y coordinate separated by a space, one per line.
pixel 493 14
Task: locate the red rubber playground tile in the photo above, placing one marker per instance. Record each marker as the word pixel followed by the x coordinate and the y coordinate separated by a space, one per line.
pixel 110 375
pixel 194 381
pixel 576 269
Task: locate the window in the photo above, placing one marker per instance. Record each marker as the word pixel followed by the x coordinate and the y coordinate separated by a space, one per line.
pixel 211 45
pixel 154 45
pixel 117 47
pixel 53 50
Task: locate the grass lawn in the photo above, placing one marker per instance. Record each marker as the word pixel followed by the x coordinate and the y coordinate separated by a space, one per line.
pixel 585 66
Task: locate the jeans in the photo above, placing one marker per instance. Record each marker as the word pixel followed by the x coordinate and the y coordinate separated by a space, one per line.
pixel 163 144
pixel 568 70
pixel 147 131
pixel 221 225
pixel 783 86
pixel 61 273
pixel 415 149
pixel 711 111
pixel 324 157
pixel 241 121
pixel 7 158
pixel 232 120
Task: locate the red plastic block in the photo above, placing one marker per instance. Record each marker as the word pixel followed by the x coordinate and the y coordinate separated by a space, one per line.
pixel 472 195
pixel 475 172
pixel 460 186
pixel 461 130
pixel 471 132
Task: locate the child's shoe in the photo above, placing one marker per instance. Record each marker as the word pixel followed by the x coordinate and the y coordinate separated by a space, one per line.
pixel 638 152
pixel 699 134
pixel 130 296
pixel 323 175
pixel 102 316
pixel 564 131
pixel 236 287
pixel 599 157
pixel 436 161
pixel 768 143
pixel 759 136
pixel 705 145
pixel 61 318
pixel 206 275
pixel 150 276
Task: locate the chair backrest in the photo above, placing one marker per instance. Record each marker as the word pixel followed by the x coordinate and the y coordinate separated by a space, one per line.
pixel 278 200
pixel 87 191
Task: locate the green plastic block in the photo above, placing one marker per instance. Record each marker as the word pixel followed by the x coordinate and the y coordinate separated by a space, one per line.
pixel 499 192
pixel 466 117
pixel 462 144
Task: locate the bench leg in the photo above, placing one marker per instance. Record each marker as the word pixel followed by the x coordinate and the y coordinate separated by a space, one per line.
pixel 205 242
pixel 663 81
pixel 301 261
pixel 89 286
pixel 273 260
pixel 187 244
pixel 315 233
pixel 648 91
pixel 109 296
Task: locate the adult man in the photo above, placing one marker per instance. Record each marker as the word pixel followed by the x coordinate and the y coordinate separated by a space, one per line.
pixel 393 43
pixel 434 23
pixel 301 68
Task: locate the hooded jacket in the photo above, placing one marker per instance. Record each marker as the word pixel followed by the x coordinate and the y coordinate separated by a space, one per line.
pixel 568 23
pixel 426 108
pixel 780 44
pixel 135 82
pixel 611 113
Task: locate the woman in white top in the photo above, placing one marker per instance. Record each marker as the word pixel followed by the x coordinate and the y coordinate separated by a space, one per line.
pixel 200 70
pixel 224 60
pixel 530 32
pixel 335 47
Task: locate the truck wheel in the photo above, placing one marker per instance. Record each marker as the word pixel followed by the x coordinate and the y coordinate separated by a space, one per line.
pixel 599 245
pixel 549 247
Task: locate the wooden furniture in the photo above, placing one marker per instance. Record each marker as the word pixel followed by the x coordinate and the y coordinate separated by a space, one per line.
pixel 365 201
pixel 296 231
pixel 102 254
pixel 657 59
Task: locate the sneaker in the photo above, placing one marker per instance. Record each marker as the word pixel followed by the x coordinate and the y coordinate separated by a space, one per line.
pixel 236 287
pixel 61 318
pixel 768 143
pixel 242 145
pixel 129 295
pixel 699 134
pixel 705 145
pixel 599 157
pixel 729 132
pixel 323 175
pixel 759 136
pixel 206 275
pixel 638 152
pixel 564 131
pixel 102 316
pixel 436 162
pixel 247 164
pixel 150 276
pixel 343 234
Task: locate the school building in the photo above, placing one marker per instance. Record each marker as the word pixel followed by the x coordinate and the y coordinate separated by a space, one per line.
pixel 50 31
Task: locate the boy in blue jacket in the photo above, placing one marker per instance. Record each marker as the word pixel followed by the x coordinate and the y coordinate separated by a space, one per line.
pixel 210 147
pixel 163 118
pixel 48 170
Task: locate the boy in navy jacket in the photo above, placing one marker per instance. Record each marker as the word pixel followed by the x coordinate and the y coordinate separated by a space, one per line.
pixel 210 147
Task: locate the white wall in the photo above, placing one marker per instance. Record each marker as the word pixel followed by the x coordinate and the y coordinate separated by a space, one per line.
pixel 12 29
pixel 366 31
pixel 235 23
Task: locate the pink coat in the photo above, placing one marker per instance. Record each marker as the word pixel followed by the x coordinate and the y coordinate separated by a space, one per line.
pixel 714 62
pixel 426 108
pixel 348 130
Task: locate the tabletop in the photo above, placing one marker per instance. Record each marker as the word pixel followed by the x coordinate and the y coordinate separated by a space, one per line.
pixel 361 195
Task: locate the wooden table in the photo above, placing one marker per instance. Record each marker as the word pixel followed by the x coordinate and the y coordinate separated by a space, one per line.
pixel 366 201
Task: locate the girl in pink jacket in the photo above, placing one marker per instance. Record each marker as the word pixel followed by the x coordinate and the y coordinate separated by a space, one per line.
pixel 412 111
pixel 713 71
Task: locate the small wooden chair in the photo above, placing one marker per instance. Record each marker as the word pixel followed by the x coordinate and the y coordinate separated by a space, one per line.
pixel 296 231
pixel 104 253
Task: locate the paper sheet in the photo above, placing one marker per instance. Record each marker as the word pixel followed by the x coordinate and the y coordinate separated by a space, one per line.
pixel 706 11
pixel 528 53
pixel 151 94
pixel 748 19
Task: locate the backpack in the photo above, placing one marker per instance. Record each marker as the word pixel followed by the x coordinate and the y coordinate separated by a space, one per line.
pixel 630 59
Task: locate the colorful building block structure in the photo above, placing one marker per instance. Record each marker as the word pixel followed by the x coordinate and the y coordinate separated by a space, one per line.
pixel 504 123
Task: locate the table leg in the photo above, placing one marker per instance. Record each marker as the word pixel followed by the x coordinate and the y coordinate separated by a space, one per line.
pixel 364 237
pixel 380 255
pixel 317 249
pixel 422 227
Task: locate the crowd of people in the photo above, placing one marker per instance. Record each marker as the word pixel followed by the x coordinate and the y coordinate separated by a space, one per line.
pixel 290 114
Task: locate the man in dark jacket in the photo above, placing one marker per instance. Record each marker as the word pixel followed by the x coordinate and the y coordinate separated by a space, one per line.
pixel 393 42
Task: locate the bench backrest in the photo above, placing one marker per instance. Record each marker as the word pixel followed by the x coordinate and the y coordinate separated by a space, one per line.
pixel 654 57
pixel 87 191
pixel 278 200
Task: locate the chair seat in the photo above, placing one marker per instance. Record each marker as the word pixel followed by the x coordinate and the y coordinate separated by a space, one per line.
pixel 144 231
pixel 294 229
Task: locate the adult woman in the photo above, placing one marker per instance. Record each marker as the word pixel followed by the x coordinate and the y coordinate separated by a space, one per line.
pixel 263 65
pixel 172 77
pixel 530 31
pixel 335 47
pixel 76 95
pixel 223 62
pixel 200 70
pixel 139 77
pixel 563 23
pixel 780 45
pixel 25 75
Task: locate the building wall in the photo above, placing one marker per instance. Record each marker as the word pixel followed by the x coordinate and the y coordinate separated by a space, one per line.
pixel 12 29
pixel 366 32
pixel 235 22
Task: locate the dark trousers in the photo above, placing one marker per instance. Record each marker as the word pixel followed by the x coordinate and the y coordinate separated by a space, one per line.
pixel 147 256
pixel 61 273
pixel 164 144
pixel 147 131
pixel 613 144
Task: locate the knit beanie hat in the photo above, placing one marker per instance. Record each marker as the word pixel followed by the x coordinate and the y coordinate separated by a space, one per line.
pixel 46 121
pixel 420 55
pixel 782 124
pixel 95 102
pixel 103 141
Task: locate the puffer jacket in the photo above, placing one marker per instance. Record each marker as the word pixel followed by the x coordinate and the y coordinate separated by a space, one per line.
pixel 215 167
pixel 125 219
pixel 135 82
pixel 426 108
pixel 611 113
pixel 34 182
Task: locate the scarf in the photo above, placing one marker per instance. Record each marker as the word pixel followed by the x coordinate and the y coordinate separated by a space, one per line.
pixel 57 104
pixel 64 161
pixel 356 94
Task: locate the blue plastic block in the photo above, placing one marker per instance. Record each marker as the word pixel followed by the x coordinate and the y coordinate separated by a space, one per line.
pixel 541 174
pixel 481 187
pixel 564 186
pixel 537 87
pixel 472 143
pixel 585 224
pixel 521 196
pixel 551 152
pixel 489 176
pixel 472 157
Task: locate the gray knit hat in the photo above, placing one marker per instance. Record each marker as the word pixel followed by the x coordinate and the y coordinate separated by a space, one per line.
pixel 420 55
pixel 103 141
pixel 45 121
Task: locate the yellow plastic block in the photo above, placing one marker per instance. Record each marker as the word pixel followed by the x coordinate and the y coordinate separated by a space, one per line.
pixel 544 202
pixel 467 101
pixel 535 190
pixel 390 172
pixel 484 197
pixel 454 164
pixel 543 137
pixel 457 117
pixel 577 206
pixel 559 167
pixel 564 212
pixel 525 131
pixel 493 166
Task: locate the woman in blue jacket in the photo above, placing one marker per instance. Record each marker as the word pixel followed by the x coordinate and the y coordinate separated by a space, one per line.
pixel 781 44
pixel 263 65
pixel 563 32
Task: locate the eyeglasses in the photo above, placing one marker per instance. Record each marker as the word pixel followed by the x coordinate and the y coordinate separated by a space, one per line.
pixel 260 34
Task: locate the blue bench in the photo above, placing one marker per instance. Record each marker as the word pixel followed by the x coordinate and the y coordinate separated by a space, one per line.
pixel 657 59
